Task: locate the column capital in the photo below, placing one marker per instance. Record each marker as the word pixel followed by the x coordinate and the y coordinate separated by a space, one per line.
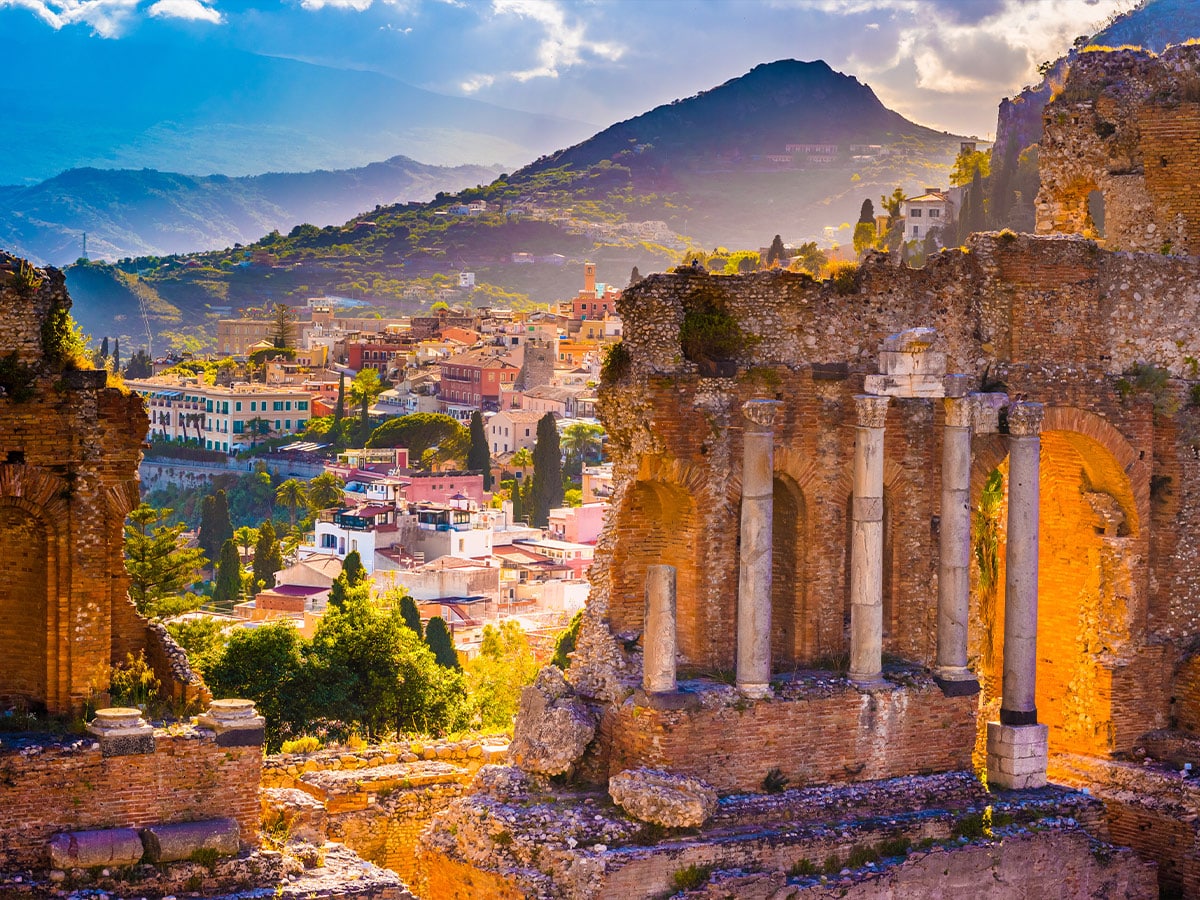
pixel 1025 419
pixel 959 411
pixel 761 413
pixel 871 410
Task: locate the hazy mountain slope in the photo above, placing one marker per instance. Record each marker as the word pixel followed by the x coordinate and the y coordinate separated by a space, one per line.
pixel 150 213
pixel 713 168
pixel 243 114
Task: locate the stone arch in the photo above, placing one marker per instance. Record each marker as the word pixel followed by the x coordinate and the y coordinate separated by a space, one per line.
pixel 792 624
pixel 1091 575
pixel 33 585
pixel 659 525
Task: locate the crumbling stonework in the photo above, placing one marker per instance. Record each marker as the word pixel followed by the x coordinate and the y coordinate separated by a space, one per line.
pixel 672 801
pixel 1123 128
pixel 69 451
pixel 554 727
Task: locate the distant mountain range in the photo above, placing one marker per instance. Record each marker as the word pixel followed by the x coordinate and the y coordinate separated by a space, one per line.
pixel 790 148
pixel 214 109
pixel 148 213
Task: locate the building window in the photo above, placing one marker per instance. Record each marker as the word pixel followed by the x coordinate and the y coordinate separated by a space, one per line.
pixel 278 406
pixel 238 426
pixel 934 213
pixel 916 231
pixel 237 406
pixel 915 213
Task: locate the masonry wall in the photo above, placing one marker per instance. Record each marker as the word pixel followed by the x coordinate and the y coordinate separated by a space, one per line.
pixel 45 789
pixel 832 735
pixel 69 450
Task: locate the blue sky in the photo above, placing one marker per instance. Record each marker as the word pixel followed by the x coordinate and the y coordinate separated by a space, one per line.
pixel 943 63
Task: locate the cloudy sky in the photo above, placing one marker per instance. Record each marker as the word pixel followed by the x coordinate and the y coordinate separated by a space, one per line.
pixel 943 63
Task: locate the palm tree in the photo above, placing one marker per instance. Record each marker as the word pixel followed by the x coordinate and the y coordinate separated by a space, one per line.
pixel 258 426
pixel 292 494
pixel 246 537
pixel 522 459
pixel 579 441
pixel 325 491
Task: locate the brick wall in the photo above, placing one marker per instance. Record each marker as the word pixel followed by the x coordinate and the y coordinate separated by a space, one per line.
pixel 48 789
pixel 832 734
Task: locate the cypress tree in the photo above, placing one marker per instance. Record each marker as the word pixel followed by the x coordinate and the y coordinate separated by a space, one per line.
pixel 104 349
pixel 268 555
pixel 635 276
pixel 978 217
pixel 776 253
pixel 479 459
pixel 116 354
pixel 867 212
pixel 546 492
pixel 229 575
pixel 222 521
pixel 204 537
pixel 339 410
pixel 352 575
pixel 439 640
pixel 411 615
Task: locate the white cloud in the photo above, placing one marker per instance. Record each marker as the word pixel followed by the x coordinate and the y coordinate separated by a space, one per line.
pixel 106 17
pixel 192 10
pixel 353 5
pixel 475 82
pixel 562 45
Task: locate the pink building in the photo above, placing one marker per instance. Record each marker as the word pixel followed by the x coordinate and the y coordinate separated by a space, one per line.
pixel 447 488
pixel 578 524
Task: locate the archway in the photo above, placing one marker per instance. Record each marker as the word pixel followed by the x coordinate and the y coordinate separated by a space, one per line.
pixel 659 526
pixel 1088 569
pixel 791 624
pixel 24 592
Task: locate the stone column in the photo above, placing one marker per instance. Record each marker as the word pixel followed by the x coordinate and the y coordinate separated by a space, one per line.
pixel 121 731
pixel 1017 745
pixel 235 722
pixel 866 547
pixel 954 586
pixel 658 659
pixel 754 569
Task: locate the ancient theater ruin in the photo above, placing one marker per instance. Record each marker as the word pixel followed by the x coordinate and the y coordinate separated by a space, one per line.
pixel 919 554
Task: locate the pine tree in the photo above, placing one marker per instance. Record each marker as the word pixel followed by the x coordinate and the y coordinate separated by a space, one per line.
pixel 440 641
pixel 411 615
pixel 229 575
pixel 547 490
pixel 283 328
pixel 479 459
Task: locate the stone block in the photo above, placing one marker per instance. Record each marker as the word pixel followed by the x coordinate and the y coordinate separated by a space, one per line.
pixel 90 849
pixel 553 727
pixel 172 843
pixel 121 731
pixel 930 386
pixel 892 362
pixel 1017 755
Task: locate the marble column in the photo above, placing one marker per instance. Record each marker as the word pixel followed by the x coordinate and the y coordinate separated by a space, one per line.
pixel 754 569
pixel 954 585
pixel 866 547
pixel 658 660
pixel 1017 745
pixel 1018 706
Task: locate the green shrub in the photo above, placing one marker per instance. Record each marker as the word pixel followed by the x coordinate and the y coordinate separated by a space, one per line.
pixel 832 864
pixel 843 275
pixel 709 335
pixel 860 855
pixel 616 363
pixel 134 684
pixel 306 744
pixel 895 846
pixel 803 868
pixel 689 878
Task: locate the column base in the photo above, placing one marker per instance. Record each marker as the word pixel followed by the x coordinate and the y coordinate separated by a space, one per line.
pixel 1017 755
pixel 666 700
pixel 754 691
pixel 875 682
pixel 956 681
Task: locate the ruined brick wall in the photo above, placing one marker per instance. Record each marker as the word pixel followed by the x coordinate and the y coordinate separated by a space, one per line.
pixel 69 450
pixel 1058 320
pixel 1125 126
pixel 862 737
pixel 45 789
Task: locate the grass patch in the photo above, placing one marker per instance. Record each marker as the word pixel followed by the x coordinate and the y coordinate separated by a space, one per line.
pixel 803 868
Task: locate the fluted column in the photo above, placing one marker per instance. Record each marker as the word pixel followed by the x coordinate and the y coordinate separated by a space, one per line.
pixel 658 660
pixel 866 547
pixel 1017 745
pixel 754 570
pixel 954 586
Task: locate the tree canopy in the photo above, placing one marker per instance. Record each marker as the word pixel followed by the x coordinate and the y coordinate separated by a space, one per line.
pixel 160 568
pixel 420 432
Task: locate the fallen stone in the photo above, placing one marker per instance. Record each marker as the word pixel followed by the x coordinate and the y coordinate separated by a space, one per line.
pixel 672 801
pixel 172 843
pixel 553 727
pixel 92 849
